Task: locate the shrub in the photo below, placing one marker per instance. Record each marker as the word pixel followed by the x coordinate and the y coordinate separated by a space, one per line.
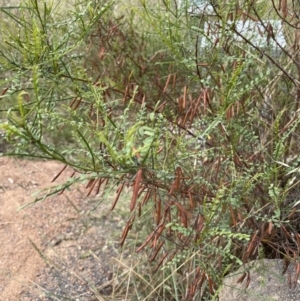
pixel 205 134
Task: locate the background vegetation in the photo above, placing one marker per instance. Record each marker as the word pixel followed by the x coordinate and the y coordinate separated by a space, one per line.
pixel 177 102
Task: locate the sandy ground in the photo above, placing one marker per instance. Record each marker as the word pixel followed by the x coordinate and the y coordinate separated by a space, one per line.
pixel 58 249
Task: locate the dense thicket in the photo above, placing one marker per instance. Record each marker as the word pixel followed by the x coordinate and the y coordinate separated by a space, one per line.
pixel 194 106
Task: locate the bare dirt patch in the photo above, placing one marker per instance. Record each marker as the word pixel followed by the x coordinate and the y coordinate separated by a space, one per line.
pixel 58 249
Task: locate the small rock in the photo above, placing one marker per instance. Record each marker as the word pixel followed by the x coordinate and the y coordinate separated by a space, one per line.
pixel 267 283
